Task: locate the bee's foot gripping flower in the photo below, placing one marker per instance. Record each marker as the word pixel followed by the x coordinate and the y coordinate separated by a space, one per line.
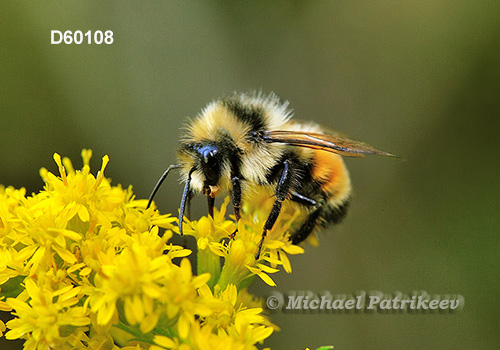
pixel 82 267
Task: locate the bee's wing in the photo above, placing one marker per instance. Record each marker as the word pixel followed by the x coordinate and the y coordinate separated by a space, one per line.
pixel 334 144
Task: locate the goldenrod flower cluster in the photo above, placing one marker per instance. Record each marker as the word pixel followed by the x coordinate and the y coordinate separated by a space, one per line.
pixel 83 266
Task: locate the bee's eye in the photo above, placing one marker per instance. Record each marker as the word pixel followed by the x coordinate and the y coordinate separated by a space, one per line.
pixel 210 163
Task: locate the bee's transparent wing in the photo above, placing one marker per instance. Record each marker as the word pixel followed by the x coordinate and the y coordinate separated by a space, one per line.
pixel 334 144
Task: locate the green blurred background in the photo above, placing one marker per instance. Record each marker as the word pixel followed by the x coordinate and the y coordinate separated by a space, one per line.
pixel 417 78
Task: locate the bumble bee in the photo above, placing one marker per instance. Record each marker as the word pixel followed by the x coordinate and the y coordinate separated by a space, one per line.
pixel 249 141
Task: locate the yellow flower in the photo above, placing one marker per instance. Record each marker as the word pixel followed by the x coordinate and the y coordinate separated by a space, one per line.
pixel 239 253
pixel 47 316
pixel 238 309
pixel 63 237
pixel 83 266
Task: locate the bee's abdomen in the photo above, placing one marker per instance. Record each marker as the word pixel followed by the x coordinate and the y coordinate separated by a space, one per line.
pixel 333 213
pixel 333 184
pixel 331 176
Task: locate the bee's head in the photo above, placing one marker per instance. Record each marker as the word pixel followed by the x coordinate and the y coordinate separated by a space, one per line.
pixel 208 161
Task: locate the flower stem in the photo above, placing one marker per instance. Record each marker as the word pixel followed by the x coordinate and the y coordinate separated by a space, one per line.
pixel 209 262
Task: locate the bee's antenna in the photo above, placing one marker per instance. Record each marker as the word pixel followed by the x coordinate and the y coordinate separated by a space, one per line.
pixel 183 200
pixel 160 181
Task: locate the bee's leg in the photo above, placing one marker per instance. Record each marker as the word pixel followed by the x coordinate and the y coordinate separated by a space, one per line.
pixel 160 181
pixel 282 190
pixel 211 204
pixel 298 198
pixel 236 198
pixel 325 214
pixel 307 227
pixel 185 194
pixel 188 215
pixel 188 204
